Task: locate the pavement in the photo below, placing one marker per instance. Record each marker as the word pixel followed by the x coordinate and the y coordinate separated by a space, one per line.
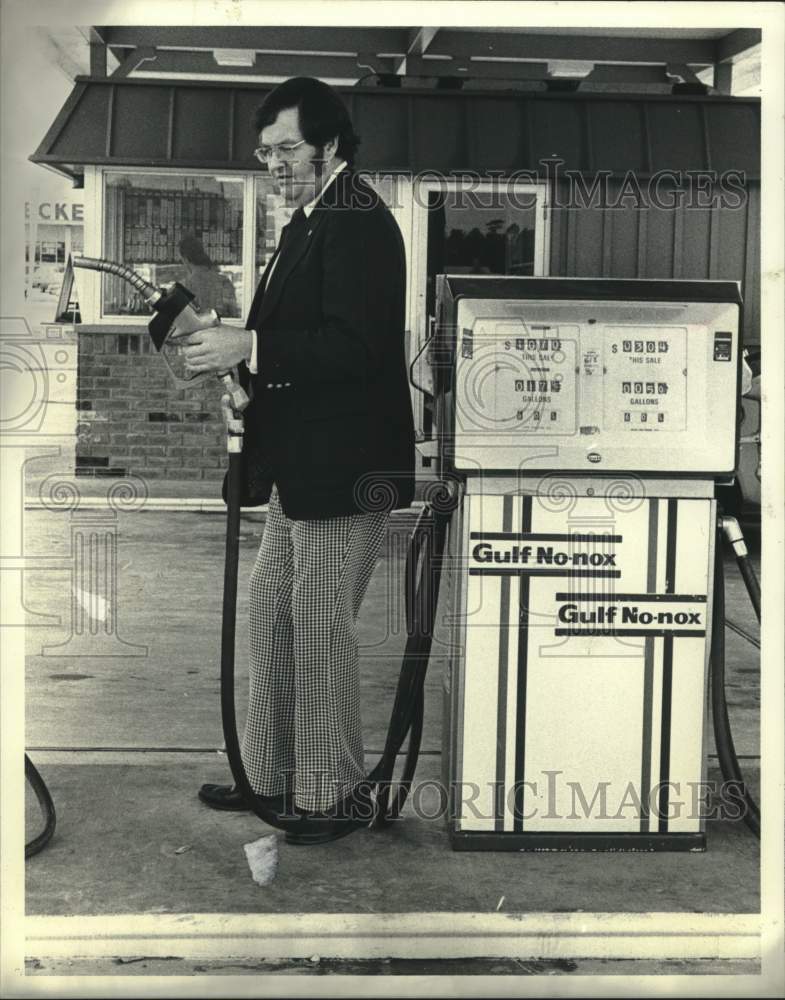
pixel 123 721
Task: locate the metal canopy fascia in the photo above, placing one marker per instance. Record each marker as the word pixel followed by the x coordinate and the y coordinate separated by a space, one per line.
pixel 429 130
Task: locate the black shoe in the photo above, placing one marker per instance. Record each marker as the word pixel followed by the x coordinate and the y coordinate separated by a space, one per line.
pixel 230 798
pixel 342 828
pixel 356 810
pixel 223 797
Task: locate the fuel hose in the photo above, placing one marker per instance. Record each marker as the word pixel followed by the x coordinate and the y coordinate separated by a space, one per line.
pixel 38 785
pixel 723 737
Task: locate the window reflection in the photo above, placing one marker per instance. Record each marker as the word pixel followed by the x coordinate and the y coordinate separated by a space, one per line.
pixel 271 216
pixel 175 228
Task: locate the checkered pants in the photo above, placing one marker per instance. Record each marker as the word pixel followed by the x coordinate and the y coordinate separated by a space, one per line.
pixel 304 728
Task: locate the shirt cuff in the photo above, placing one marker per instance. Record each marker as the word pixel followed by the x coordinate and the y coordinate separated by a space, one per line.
pixel 252 365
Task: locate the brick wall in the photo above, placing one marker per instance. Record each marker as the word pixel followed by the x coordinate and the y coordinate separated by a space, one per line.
pixel 133 420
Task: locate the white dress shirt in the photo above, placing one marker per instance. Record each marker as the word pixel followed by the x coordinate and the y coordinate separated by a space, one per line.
pixel 307 209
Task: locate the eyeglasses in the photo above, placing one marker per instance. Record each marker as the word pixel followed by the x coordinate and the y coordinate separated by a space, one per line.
pixel 284 151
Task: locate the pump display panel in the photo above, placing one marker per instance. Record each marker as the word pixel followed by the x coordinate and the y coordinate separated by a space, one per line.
pixel 576 383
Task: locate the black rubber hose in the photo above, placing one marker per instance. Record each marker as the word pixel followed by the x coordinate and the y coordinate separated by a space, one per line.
pixel 751 582
pixel 412 756
pixel 38 785
pixel 723 737
pixel 412 673
pixel 424 574
pixel 119 270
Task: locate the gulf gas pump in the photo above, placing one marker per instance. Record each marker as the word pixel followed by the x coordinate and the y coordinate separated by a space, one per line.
pixel 587 423
pixel 569 542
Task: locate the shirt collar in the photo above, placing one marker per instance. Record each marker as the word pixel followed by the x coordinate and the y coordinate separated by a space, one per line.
pixel 307 209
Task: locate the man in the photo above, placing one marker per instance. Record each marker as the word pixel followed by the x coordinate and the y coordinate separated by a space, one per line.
pixel 329 442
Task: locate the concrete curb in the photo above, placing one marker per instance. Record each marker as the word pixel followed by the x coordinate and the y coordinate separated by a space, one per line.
pixel 215 936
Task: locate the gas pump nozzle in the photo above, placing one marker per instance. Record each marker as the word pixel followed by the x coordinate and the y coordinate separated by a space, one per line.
pixel 175 318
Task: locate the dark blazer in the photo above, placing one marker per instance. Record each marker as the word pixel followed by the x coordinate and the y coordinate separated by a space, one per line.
pixel 330 421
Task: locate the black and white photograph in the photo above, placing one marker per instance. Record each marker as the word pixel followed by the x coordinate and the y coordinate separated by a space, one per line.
pixel 393 510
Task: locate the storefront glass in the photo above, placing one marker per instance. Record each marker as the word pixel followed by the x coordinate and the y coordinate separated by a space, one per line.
pixel 488 232
pixel 175 228
pixel 271 216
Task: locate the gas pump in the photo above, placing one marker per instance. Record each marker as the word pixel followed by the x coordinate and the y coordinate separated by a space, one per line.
pixel 587 422
pixel 582 426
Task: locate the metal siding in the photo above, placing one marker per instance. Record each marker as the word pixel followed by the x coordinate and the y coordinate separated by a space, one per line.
pixel 201 124
pixel 659 244
pixel 678 245
pixel 439 136
pixel 735 137
pixel 246 138
pixel 696 242
pixel 732 228
pixel 608 219
pixel 618 140
pixel 624 244
pixel 556 133
pixel 141 123
pixel 641 237
pixel 498 135
pixel 685 243
pixel 382 122
pixel 83 134
pixel 677 141
pixel 559 236
pixel 588 243
pixel 751 280
pixel 714 243
pixel 572 243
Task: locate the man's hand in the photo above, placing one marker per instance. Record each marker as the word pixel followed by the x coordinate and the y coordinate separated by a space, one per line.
pixel 216 349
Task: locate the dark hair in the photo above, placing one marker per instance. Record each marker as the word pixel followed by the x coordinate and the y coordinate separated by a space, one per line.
pixel 192 249
pixel 321 112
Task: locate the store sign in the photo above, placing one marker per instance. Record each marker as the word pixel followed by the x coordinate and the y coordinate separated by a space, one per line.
pixel 65 213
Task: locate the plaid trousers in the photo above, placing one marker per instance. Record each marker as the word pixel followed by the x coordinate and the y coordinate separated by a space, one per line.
pixel 304 730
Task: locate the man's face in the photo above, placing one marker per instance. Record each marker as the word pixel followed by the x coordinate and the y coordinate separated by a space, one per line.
pixel 298 175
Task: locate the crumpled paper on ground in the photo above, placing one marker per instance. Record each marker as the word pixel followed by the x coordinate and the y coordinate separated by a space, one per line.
pixel 262 855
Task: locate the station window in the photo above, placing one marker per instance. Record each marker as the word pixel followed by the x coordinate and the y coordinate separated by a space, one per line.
pixel 271 216
pixel 175 228
pixel 489 234
pixel 50 252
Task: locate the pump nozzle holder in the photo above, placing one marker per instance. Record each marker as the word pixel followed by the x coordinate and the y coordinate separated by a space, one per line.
pixel 732 530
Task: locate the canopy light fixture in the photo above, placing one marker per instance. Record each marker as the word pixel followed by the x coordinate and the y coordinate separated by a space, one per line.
pixel 235 57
